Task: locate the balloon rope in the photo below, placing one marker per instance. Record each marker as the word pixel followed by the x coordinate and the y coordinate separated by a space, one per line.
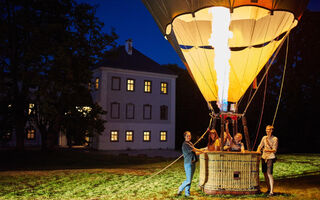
pixel 283 76
pixel 264 75
pixel 156 173
pixel 262 110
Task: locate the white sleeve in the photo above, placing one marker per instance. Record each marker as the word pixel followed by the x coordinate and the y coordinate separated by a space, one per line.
pixel 275 144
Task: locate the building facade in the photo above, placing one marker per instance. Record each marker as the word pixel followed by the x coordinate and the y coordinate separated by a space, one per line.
pixel 139 97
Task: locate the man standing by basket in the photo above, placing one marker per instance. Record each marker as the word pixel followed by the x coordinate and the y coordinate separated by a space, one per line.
pixel 269 144
pixel 190 159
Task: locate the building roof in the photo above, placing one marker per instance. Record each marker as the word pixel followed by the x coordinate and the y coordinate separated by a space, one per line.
pixel 120 59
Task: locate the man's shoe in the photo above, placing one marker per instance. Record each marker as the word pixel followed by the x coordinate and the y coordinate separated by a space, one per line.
pixel 271 194
pixel 179 192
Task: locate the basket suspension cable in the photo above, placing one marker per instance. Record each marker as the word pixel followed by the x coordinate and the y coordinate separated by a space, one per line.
pixel 283 76
pixel 246 132
pixel 262 110
pixel 265 89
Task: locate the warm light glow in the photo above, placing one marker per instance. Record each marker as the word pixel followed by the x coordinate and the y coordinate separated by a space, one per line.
pixel 130 85
pixel 30 134
pixel 96 86
pixel 114 136
pixel 147 86
pixel 146 136
pixel 31 108
pixel 219 40
pixel 85 110
pixel 164 88
pixel 163 135
pixel 129 136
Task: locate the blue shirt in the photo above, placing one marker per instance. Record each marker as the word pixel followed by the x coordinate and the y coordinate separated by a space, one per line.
pixel 188 154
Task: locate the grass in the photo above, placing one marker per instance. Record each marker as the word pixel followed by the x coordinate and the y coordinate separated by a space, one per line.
pixel 95 176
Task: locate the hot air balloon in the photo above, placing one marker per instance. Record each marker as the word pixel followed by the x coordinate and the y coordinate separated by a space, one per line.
pixel 224 45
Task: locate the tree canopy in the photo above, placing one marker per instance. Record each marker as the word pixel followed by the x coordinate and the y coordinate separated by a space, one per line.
pixel 46 50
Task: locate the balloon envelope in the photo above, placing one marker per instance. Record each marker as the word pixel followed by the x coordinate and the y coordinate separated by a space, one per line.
pixel 258 27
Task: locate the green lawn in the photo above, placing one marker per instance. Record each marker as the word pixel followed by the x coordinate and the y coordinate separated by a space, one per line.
pixel 93 175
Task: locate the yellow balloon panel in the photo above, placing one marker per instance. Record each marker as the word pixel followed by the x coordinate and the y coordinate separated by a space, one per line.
pixel 246 65
pixel 201 62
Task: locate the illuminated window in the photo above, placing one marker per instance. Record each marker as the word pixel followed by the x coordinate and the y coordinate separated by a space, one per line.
pixel 114 136
pixel 130 111
pixel 115 110
pixel 31 109
pixel 147 86
pixel 87 138
pixel 146 136
pixel 97 84
pixel 164 88
pixel 147 111
pixel 129 136
pixel 115 83
pixel 163 112
pixel 130 85
pixel 163 136
pixel 7 135
pixel 31 134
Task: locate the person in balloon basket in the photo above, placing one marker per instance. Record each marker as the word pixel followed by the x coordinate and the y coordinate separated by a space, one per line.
pixel 233 144
pixel 190 158
pixel 269 146
pixel 213 140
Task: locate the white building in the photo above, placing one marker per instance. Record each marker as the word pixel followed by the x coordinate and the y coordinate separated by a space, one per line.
pixel 139 97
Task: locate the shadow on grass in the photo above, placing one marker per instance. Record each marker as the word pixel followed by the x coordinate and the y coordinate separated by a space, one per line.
pixel 296 182
pixel 314 173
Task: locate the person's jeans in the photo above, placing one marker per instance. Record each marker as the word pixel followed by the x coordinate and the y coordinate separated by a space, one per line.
pixel 189 169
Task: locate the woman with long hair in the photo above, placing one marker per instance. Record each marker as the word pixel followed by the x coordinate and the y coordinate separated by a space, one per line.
pixel 213 141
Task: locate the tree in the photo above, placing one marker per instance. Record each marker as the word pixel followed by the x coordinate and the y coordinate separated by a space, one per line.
pixel 47 49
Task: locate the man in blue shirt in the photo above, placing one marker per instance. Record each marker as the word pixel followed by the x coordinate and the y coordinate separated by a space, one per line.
pixel 190 159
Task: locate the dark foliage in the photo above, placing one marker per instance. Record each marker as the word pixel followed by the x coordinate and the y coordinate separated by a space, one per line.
pixel 192 113
pixel 46 50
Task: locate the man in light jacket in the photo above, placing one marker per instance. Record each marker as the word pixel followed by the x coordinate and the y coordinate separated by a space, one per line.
pixel 269 144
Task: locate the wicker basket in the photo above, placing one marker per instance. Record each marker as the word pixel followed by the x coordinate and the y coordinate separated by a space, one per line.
pixel 229 173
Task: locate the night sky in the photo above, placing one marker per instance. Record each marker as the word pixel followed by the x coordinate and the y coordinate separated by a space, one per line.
pixel 131 19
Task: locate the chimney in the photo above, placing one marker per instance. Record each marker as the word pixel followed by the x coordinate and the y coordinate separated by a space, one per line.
pixel 129 46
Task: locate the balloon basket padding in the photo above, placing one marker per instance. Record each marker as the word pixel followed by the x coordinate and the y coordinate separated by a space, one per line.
pixel 233 173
